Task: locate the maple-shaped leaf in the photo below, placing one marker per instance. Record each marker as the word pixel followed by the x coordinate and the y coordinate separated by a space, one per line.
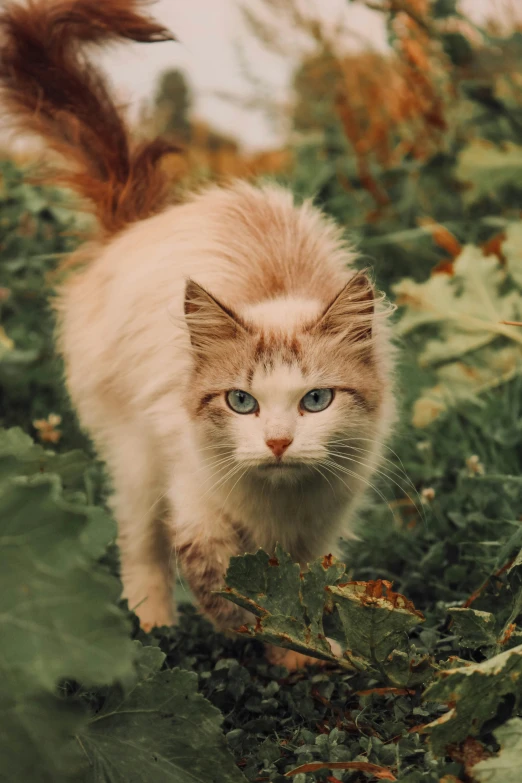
pixel 473 627
pixel 486 167
pixel 161 729
pixel 474 693
pixel 494 631
pixel 469 309
pixel 376 622
pixel 288 604
pixel 291 606
pixel 505 766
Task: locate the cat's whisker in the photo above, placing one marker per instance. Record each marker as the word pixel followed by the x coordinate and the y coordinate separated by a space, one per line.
pixel 358 477
pixel 315 467
pixel 222 479
pixel 380 445
pixel 347 443
pixel 212 464
pixel 232 488
pixel 375 470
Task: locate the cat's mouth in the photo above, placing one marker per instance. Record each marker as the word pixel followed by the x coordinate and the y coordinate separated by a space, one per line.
pixel 281 465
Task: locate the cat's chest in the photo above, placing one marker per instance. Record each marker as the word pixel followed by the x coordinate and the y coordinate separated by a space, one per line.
pixel 297 518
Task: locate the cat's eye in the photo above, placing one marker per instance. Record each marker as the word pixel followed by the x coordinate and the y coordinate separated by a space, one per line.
pixel 241 401
pixel 317 400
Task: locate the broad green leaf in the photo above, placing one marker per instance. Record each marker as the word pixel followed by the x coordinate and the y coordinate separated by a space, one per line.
pixel 487 167
pixel 474 628
pixel 467 309
pixel 468 306
pixel 36 733
pixel 58 616
pixel 506 765
pixel 376 622
pixel 20 456
pixel 160 730
pixel 288 605
pixel 474 693
pixel 373 622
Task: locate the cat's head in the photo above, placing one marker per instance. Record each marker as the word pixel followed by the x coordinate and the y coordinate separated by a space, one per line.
pixel 284 386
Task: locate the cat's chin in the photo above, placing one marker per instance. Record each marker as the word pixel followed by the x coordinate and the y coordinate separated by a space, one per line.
pixel 281 470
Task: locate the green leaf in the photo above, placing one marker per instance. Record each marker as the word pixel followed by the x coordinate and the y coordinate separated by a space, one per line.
pixel 474 628
pixel 467 310
pixel 289 605
pixel 506 766
pixel 36 738
pixel 160 730
pixel 486 168
pixel 59 616
pixel 20 456
pixel 376 622
pixel 475 692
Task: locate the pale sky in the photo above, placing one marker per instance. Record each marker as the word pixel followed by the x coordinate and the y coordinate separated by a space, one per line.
pixel 210 32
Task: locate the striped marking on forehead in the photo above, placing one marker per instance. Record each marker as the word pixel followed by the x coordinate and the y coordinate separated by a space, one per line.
pixel 275 348
pixel 279 322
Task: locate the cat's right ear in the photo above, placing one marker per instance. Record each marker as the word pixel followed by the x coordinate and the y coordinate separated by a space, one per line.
pixel 208 320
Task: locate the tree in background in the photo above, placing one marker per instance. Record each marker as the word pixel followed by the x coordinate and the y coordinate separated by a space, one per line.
pixel 173 105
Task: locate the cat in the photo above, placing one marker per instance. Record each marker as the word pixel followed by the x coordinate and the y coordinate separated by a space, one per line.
pixel 233 368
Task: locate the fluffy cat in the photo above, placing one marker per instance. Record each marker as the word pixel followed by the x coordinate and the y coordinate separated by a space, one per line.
pixel 231 366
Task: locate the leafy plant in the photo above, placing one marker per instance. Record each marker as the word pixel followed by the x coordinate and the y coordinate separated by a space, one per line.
pixel 370 622
pixel 475 307
pixel 79 698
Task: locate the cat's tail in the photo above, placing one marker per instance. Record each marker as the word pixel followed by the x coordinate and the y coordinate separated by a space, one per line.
pixel 52 90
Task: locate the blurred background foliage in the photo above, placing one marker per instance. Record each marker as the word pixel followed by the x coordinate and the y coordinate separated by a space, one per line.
pixel 417 152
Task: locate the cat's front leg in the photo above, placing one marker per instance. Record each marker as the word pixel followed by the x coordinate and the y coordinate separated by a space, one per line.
pixel 204 558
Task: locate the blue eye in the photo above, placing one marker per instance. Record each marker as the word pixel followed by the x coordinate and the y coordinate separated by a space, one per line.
pixel 317 400
pixel 241 402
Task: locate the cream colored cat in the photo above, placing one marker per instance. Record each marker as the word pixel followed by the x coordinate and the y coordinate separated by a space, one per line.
pixel 231 366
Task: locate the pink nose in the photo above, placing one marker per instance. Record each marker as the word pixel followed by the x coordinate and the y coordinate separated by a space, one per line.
pixel 279 446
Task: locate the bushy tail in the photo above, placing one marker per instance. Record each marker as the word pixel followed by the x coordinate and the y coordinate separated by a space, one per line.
pixel 51 89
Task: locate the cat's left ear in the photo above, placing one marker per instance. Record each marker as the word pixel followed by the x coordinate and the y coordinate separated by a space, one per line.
pixel 208 320
pixel 350 314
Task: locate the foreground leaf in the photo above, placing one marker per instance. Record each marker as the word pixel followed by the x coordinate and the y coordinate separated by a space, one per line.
pixel 161 730
pixel 289 605
pixel 59 616
pixel 474 693
pixel 36 736
pixel 506 766
pixel 372 622
pixel 376 622
pixel 474 628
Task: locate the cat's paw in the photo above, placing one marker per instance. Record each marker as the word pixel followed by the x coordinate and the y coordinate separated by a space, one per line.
pixel 293 661
pixel 155 619
pixel 155 614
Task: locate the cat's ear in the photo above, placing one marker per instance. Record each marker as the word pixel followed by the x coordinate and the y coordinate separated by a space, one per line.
pixel 207 319
pixel 350 314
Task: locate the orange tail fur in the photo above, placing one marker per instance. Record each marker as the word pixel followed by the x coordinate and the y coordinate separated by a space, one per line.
pixel 52 90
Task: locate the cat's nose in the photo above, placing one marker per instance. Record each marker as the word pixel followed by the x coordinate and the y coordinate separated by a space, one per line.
pixel 278 446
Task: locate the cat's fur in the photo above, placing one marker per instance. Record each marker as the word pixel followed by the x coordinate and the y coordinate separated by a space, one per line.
pixel 237 288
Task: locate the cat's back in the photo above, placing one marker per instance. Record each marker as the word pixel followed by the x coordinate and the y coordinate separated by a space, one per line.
pixel 244 244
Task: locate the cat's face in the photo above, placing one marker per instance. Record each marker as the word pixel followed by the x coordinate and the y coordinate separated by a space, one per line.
pixel 283 390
